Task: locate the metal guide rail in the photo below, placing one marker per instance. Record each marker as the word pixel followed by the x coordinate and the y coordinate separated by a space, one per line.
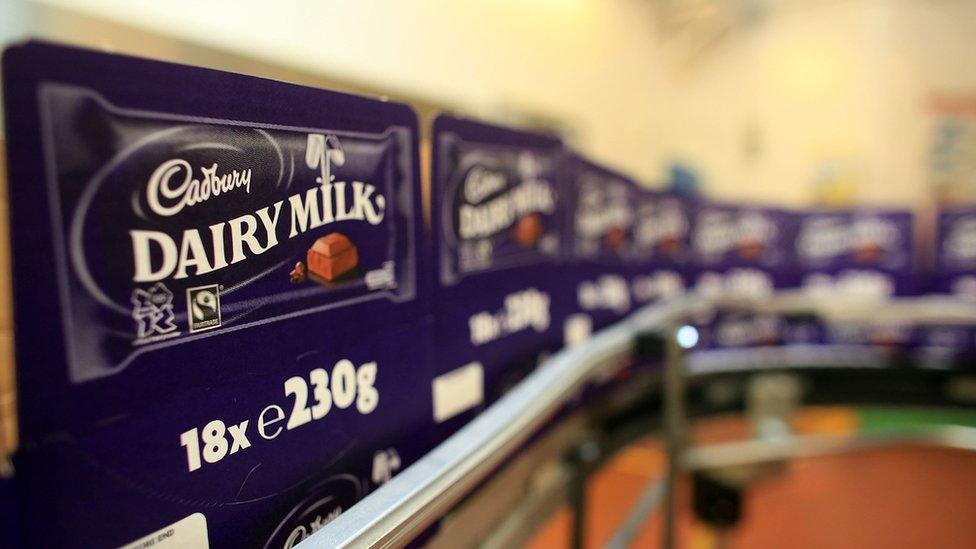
pixel 402 508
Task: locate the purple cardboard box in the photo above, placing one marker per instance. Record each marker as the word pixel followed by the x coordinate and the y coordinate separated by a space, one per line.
pixel 856 252
pixel 861 253
pixel 662 245
pixel 600 240
pixel 745 251
pixel 497 225
pixel 955 260
pixel 953 273
pixel 601 255
pixel 222 328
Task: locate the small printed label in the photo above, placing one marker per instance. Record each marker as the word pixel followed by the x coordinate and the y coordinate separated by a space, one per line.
pixel 577 329
pixel 458 391
pixel 203 303
pixel 382 278
pixel 189 533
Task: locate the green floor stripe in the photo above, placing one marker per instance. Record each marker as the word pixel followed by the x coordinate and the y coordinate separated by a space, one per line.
pixel 882 417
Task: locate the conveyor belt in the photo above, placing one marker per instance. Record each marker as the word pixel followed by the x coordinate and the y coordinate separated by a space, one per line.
pixel 401 509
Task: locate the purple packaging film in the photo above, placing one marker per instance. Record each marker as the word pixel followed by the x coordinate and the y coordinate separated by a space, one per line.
pixel 220 315
pixel 497 230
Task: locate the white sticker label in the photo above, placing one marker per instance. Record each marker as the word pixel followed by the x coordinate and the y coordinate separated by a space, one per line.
pixel 577 329
pixel 458 390
pixel 189 533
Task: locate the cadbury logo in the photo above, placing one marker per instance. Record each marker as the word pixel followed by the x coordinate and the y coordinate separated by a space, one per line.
pixel 661 224
pixel 167 198
pixel 822 238
pixel 600 209
pixel 481 182
pixel 534 195
pixel 719 231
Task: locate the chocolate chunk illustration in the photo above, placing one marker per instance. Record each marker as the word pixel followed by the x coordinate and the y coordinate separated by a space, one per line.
pixel 669 245
pixel 614 238
pixel 528 230
pixel 332 256
pixel 751 248
pixel 868 253
pixel 298 273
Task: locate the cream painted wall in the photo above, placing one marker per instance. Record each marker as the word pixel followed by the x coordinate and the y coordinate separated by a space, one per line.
pixel 587 63
pixel 840 83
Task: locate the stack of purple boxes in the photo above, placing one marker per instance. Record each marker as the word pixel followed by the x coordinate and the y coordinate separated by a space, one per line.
pixel 230 315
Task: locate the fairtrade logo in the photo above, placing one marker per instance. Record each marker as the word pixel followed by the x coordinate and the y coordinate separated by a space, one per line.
pixel 203 303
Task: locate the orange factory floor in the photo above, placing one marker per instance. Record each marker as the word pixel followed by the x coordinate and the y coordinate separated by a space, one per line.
pixel 896 497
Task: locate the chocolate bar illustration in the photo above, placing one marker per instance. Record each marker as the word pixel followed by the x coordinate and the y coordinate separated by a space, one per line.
pixel 669 245
pixel 751 248
pixel 614 238
pixel 529 229
pixel 868 253
pixel 755 231
pixel 870 236
pixel 297 274
pixel 332 256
